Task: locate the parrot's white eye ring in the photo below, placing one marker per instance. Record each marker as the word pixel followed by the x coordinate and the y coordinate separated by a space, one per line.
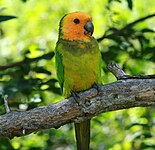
pixel 76 21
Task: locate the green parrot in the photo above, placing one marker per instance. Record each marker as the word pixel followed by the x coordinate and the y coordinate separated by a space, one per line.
pixel 78 63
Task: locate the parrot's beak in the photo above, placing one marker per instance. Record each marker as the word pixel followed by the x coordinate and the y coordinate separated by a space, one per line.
pixel 89 28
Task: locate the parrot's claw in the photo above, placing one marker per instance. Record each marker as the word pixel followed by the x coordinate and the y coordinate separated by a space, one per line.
pixel 96 86
pixel 76 97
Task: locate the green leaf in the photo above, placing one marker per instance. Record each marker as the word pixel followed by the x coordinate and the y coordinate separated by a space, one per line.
pixel 5 18
pixel 147 30
pixel 130 4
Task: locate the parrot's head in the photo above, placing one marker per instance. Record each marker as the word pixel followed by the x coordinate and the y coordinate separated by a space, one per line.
pixel 76 26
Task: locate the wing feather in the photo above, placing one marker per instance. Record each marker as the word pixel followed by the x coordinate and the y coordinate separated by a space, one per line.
pixel 59 67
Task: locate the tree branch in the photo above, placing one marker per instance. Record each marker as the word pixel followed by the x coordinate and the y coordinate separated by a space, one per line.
pixel 122 94
pixel 27 60
pixel 116 70
pixel 121 31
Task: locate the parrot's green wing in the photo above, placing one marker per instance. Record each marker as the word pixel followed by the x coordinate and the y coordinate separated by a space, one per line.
pixel 59 67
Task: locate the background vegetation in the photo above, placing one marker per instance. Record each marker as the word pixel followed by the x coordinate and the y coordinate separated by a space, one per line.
pixel 27 71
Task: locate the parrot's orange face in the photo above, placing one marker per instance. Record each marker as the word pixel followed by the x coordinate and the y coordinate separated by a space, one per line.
pixel 76 26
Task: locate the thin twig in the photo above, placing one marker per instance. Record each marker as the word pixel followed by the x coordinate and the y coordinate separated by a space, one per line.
pixel 116 70
pixel 27 60
pixel 6 104
pixel 120 74
pixel 23 131
pixel 128 26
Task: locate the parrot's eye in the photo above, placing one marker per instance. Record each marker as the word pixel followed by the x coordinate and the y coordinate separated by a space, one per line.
pixel 76 21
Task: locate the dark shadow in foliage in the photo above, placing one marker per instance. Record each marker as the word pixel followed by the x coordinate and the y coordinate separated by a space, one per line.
pixel 5 144
pixel 5 17
pixel 20 80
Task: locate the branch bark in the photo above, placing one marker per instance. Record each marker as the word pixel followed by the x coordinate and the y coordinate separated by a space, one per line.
pixel 118 95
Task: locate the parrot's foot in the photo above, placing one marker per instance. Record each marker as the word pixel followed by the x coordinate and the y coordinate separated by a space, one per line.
pixel 76 97
pixel 96 86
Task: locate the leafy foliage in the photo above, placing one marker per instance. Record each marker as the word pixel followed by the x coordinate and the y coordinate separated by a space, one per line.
pixel 125 31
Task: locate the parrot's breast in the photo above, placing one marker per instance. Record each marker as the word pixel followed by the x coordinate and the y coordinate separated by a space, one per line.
pixel 81 62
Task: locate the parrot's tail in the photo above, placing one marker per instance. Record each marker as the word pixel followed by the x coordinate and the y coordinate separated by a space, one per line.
pixel 82 131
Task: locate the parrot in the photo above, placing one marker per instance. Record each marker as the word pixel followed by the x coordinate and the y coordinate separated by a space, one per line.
pixel 78 63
